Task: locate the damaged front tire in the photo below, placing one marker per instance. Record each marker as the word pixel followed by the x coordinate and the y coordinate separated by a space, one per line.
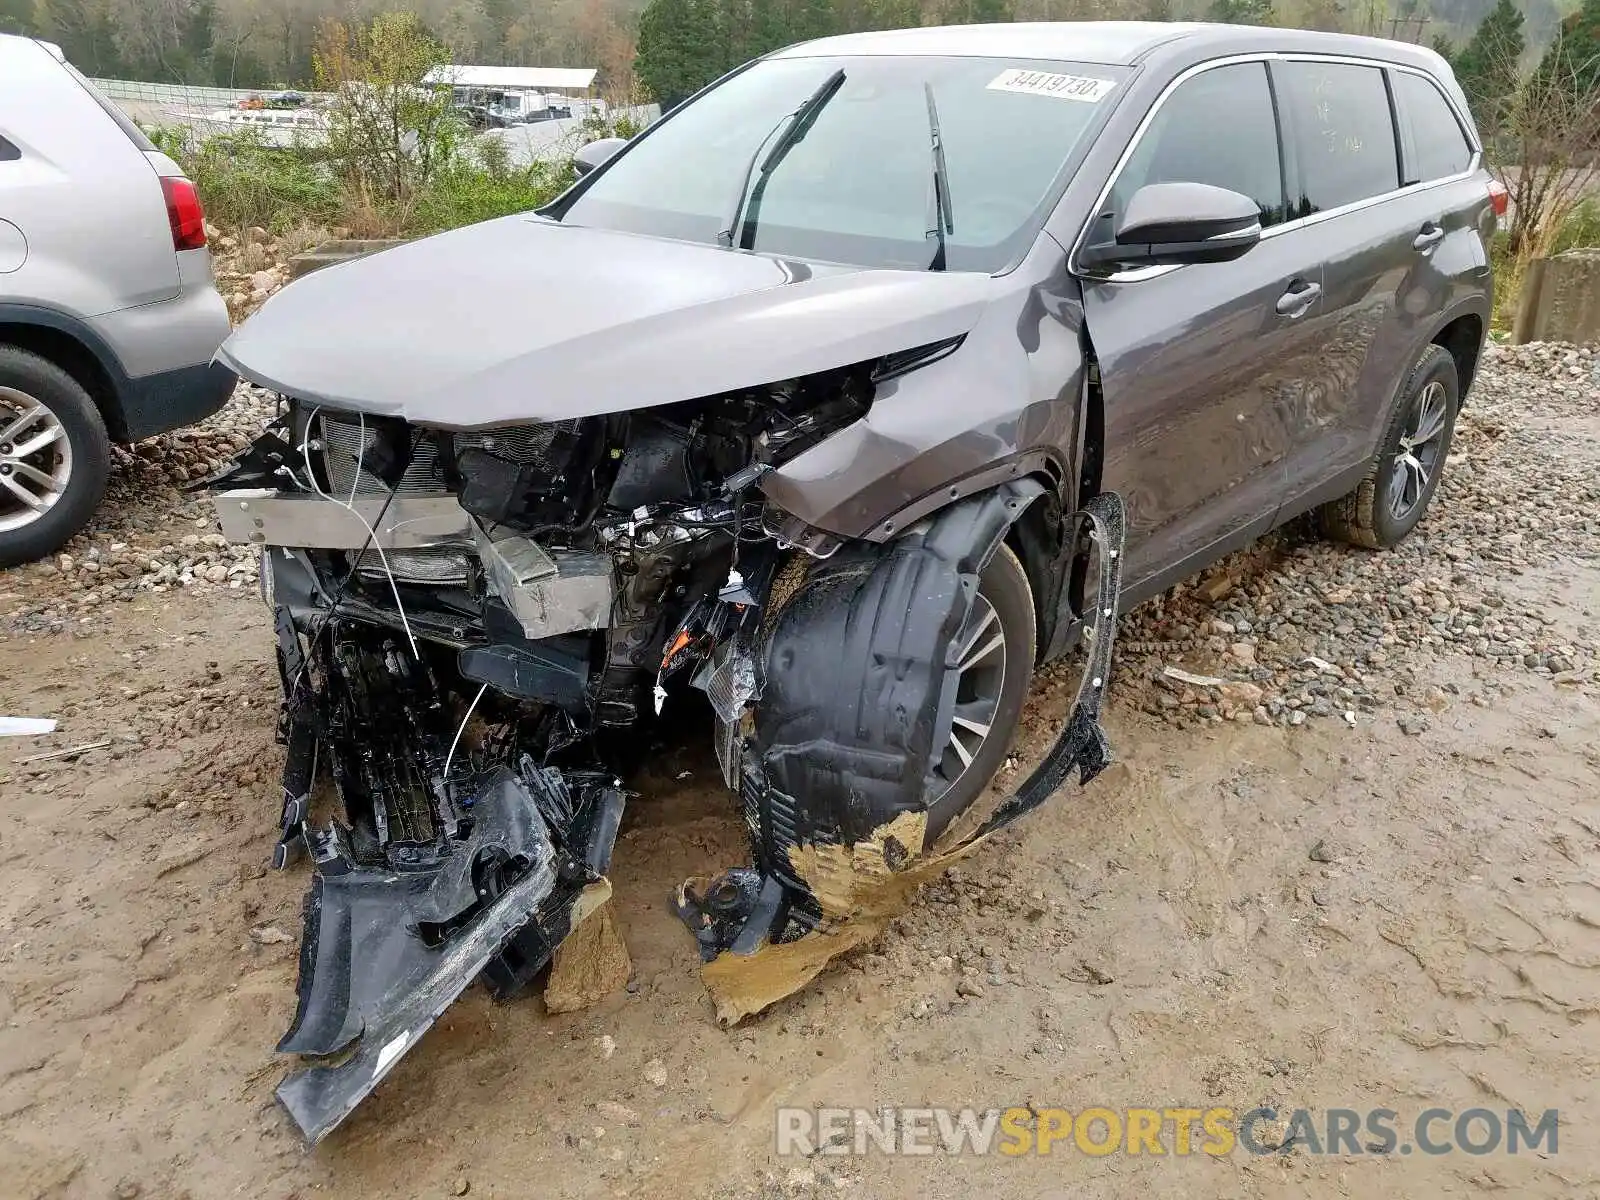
pixel 989 669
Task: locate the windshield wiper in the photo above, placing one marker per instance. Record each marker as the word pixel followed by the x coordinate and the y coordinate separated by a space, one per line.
pixel 944 217
pixel 741 227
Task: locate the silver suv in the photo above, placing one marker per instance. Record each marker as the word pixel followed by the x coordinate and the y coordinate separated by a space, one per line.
pixel 109 318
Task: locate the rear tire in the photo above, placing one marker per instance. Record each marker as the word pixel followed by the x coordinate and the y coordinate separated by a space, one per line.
pixel 1003 591
pixel 1405 471
pixel 65 479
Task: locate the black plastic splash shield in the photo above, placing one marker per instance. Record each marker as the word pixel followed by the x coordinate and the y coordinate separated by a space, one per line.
pixel 319 1098
pixel 384 952
pixel 787 797
pixel 372 933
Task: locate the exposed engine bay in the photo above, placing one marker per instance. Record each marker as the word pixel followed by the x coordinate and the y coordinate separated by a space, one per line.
pixel 470 622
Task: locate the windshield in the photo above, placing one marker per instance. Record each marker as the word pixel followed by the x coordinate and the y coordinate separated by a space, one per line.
pixel 858 187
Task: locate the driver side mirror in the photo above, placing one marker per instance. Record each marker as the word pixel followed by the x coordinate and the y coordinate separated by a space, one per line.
pixel 596 154
pixel 1172 224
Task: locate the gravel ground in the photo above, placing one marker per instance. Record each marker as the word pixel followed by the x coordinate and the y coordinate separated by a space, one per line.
pixel 149 535
pixel 1297 628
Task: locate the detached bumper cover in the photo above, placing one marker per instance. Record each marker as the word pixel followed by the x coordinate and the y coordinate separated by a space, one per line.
pixel 419 985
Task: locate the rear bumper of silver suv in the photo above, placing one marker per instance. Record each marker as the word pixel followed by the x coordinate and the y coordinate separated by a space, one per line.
pixel 163 374
pixel 170 400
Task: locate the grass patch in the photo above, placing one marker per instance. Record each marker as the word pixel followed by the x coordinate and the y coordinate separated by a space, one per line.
pixel 244 181
pixel 289 190
pixel 464 193
pixel 1508 270
pixel 1580 229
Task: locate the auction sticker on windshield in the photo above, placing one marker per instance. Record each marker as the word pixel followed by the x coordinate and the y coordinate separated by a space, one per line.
pixel 1046 83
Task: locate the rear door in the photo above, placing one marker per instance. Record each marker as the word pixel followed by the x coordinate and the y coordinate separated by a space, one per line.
pixel 1382 170
pixel 1197 363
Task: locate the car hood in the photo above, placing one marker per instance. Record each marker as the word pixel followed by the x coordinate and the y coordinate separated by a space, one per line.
pixel 525 319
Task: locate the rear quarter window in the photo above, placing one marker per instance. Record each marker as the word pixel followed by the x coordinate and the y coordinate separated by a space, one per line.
pixel 120 118
pixel 1343 132
pixel 1435 144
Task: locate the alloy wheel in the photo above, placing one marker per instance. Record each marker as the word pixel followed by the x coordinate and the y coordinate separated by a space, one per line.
pixel 980 667
pixel 1417 460
pixel 35 459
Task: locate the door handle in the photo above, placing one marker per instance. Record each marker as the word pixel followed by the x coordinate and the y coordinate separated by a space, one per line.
pixel 1429 236
pixel 1298 298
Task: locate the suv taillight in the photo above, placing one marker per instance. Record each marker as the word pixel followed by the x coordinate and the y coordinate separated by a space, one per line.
pixel 1498 196
pixel 184 213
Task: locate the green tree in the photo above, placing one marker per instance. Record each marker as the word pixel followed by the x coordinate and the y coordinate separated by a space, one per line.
pixel 1240 12
pixel 84 31
pixel 16 16
pixel 811 19
pixel 1488 66
pixel 388 133
pixel 1573 58
pixel 983 12
pixel 680 49
pixel 736 34
pixel 1327 15
pixel 1441 45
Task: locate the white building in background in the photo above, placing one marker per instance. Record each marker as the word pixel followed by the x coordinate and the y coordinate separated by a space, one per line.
pixel 520 95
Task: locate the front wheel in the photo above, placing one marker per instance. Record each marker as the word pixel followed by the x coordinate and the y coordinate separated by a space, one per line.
pixel 992 661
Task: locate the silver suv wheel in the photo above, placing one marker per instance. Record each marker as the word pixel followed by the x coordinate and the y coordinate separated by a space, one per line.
pixel 35 459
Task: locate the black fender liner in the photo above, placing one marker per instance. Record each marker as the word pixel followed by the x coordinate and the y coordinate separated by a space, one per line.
pixel 850 704
pixel 847 720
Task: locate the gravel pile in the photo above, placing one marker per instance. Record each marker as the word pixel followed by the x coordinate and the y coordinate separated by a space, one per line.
pixel 149 535
pixel 1296 627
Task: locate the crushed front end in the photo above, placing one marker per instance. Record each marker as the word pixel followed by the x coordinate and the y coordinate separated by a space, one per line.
pixel 468 621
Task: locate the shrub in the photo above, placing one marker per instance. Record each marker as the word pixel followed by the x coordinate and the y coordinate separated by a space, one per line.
pixel 388 133
pixel 1580 227
pixel 243 181
pixel 464 193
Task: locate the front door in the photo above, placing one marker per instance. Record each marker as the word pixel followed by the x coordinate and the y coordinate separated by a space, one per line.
pixel 1199 364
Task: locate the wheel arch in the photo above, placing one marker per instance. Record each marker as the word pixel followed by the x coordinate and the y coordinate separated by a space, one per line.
pixel 1462 336
pixel 71 345
pixel 854 670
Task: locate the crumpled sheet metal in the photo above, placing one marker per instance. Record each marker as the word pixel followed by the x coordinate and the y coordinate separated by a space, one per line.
pixel 861 888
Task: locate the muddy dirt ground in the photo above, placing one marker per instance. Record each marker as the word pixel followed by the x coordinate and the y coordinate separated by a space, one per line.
pixel 1337 913
pixel 1163 938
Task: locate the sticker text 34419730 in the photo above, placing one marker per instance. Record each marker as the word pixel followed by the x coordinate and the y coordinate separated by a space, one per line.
pixel 1047 83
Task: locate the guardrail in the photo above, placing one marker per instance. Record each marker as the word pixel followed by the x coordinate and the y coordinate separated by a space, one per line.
pixel 187 95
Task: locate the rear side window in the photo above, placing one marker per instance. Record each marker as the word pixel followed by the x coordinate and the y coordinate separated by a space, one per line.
pixel 1435 146
pixel 1343 133
pixel 8 151
pixel 1219 128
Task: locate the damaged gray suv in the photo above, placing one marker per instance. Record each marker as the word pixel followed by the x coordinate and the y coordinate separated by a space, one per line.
pixel 874 376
